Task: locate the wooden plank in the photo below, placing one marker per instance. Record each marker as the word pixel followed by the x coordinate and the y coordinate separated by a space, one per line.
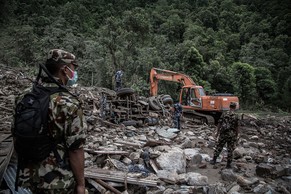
pixel 97 186
pixel 106 152
pixel 108 186
pixel 116 176
pixel 153 165
pixel 138 145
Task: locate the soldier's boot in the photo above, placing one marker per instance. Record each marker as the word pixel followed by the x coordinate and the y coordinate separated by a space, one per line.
pixel 213 161
pixel 228 164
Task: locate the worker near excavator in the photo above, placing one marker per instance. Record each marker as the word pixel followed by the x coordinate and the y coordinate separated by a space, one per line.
pixel 118 81
pixel 177 113
pixel 227 133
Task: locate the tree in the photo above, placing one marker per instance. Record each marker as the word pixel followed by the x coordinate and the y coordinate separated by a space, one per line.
pixel 265 85
pixel 244 82
pixel 287 95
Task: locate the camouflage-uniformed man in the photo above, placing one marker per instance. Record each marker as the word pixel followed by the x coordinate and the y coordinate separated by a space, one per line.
pixel 227 133
pixel 177 109
pixel 67 124
pixel 118 82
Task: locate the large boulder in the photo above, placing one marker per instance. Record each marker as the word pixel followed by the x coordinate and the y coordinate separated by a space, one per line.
pixel 173 160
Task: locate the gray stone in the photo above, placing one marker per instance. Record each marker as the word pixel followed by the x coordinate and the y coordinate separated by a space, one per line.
pixel 187 144
pixel 228 175
pixel 234 189
pixel 264 170
pixel 246 182
pixel 196 179
pixel 173 160
pixel 196 159
pixel 217 189
pixel 239 152
pixel 166 134
pixel 270 171
pixel 167 176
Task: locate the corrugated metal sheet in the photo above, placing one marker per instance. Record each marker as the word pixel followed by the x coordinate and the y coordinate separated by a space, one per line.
pixel 9 177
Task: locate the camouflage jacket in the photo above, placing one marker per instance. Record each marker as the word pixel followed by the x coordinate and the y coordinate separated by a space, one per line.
pixel 67 124
pixel 228 123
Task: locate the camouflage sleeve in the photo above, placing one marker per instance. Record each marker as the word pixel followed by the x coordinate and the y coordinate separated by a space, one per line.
pixel 68 119
pixel 76 125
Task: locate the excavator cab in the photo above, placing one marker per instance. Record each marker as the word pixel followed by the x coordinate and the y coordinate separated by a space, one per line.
pixel 191 96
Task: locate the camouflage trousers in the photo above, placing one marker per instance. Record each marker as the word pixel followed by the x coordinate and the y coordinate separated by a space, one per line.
pixel 230 142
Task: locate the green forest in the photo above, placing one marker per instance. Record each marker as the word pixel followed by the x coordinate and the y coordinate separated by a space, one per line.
pixel 234 46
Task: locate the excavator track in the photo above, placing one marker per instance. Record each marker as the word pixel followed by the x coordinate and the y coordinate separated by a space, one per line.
pixel 199 118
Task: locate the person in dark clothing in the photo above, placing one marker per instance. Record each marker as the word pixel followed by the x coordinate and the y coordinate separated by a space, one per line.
pixel 118 81
pixel 177 113
pixel 227 133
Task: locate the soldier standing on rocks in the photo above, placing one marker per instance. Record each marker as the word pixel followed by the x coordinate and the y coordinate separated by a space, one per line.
pixel 227 133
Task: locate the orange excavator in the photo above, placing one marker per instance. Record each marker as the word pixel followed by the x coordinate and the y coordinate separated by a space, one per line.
pixel 196 104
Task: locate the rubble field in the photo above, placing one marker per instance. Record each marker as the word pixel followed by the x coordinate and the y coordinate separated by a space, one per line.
pixel 132 147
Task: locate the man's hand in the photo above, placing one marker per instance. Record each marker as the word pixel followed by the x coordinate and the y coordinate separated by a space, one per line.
pixel 80 189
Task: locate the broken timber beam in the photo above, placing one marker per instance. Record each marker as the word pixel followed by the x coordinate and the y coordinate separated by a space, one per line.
pixel 107 122
pixel 106 152
pixel 116 176
pixel 97 186
pixel 102 183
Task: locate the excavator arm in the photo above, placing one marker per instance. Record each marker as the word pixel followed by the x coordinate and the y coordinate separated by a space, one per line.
pixel 162 74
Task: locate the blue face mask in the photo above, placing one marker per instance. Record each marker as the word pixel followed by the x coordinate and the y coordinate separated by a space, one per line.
pixel 73 80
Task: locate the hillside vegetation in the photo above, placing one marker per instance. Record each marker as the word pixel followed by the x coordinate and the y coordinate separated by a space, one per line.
pixel 235 46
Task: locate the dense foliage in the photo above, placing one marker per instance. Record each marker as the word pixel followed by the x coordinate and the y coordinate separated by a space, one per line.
pixel 234 46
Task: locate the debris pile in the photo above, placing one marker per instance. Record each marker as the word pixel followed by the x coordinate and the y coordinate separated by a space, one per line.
pixel 131 146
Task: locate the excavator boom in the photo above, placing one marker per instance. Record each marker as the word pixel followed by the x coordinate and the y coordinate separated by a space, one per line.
pixel 162 74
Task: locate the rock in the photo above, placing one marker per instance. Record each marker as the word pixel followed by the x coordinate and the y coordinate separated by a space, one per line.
pixel 270 171
pixel 196 179
pixel 134 156
pixel 187 144
pixel 196 159
pixel 264 188
pixel 253 144
pixel 164 133
pixel 245 182
pixel 204 165
pixel 248 158
pixel 264 170
pixel 173 130
pixel 234 189
pixel 191 152
pixel 259 158
pixel 228 175
pixel 239 152
pixel 168 191
pixel 255 137
pixel 173 160
pixel 168 176
pixel 216 189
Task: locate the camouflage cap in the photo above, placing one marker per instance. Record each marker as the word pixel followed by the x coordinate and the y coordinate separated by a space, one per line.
pixel 61 57
pixel 232 104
